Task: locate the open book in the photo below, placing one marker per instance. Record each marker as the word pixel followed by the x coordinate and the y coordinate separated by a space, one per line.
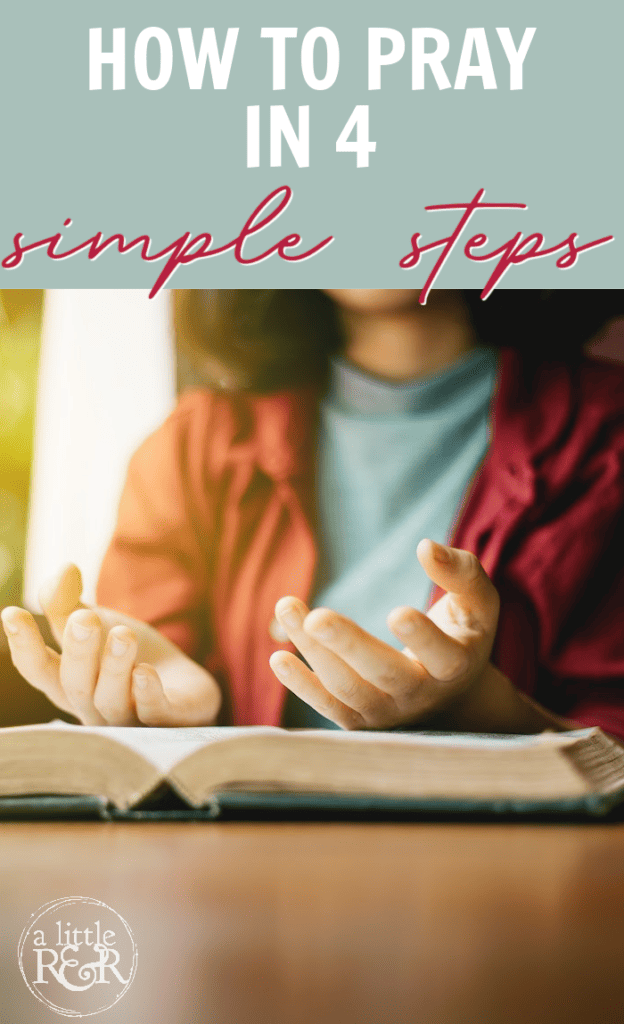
pixel 212 768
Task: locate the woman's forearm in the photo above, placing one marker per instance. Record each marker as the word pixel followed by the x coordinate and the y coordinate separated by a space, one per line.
pixel 496 705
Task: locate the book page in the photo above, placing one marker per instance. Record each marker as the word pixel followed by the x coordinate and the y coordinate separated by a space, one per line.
pixel 478 740
pixel 165 747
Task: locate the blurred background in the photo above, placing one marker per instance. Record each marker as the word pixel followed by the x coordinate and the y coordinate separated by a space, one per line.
pixel 84 377
pixel 20 336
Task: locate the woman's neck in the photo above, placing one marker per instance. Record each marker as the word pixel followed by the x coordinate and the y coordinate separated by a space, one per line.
pixel 409 343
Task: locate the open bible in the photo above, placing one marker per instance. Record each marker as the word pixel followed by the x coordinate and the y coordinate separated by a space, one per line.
pixel 131 771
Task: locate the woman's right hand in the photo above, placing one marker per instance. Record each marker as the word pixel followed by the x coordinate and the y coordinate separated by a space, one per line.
pixel 113 670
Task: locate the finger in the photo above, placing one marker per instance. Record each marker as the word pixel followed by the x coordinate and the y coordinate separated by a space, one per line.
pixel 291 671
pixel 80 664
pixel 33 660
pixel 113 692
pixel 439 654
pixel 60 597
pixel 192 693
pixel 151 705
pixel 463 577
pixel 335 674
pixel 385 668
pixel 198 705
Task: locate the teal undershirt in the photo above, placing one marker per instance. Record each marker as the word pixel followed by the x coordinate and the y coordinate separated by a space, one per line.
pixel 395 461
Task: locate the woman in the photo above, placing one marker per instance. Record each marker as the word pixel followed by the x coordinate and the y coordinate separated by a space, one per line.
pixel 422 427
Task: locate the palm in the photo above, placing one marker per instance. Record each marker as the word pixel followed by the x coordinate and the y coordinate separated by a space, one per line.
pixel 454 617
pixel 152 647
pixel 113 669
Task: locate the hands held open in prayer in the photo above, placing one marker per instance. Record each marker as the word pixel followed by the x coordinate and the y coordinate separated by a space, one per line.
pixel 118 671
pixel 113 670
pixel 443 675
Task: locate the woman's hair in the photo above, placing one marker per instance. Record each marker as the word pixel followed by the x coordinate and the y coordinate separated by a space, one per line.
pixel 264 340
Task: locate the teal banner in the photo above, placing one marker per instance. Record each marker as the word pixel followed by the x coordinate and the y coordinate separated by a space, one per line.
pixel 294 145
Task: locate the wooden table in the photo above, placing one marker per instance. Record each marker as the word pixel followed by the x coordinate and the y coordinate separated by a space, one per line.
pixel 276 923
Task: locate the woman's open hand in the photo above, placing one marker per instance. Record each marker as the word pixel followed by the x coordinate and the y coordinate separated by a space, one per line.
pixel 113 670
pixel 443 673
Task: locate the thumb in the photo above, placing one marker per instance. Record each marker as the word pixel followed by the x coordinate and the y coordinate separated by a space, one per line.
pixel 60 597
pixel 461 574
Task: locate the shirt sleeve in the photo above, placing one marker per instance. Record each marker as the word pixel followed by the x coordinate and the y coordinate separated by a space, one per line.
pixel 583 663
pixel 561 630
pixel 589 666
pixel 157 563
pixel 605 710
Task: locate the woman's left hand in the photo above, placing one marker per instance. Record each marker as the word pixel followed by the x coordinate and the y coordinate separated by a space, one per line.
pixel 443 673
